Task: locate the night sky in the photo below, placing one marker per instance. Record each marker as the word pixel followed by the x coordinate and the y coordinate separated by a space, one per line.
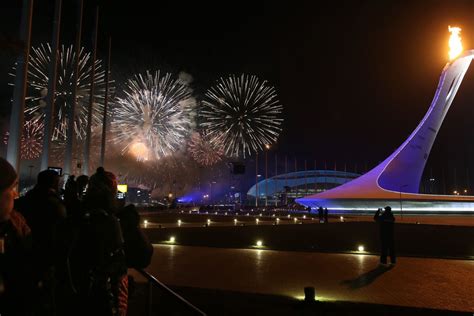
pixel 355 77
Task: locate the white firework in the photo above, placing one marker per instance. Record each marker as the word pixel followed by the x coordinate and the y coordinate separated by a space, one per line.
pixel 243 113
pixel 154 117
pixel 38 78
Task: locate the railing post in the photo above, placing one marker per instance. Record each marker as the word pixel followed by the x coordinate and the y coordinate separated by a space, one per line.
pixel 152 281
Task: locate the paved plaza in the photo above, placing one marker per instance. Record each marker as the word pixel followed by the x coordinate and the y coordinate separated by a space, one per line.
pixel 414 282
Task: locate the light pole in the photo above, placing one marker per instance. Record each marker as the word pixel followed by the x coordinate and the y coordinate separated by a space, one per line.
pixel 210 191
pixel 30 179
pixel 68 167
pixel 275 182
pixel 267 147
pixel 19 92
pixel 51 96
pixel 256 179
pixel 401 207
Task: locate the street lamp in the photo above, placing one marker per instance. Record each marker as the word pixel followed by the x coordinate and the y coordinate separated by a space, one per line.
pixel 30 179
pixel 210 191
pixel 267 147
pixel 256 179
pixel 401 208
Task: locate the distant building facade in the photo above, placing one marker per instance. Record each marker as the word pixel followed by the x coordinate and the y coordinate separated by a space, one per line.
pixel 285 188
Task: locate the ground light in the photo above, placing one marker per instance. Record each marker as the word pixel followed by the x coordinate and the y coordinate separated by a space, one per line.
pixel 235 220
pixel 179 222
pixel 256 221
pixel 317 298
pixel 341 218
pixel 295 219
pixel 289 216
pixel 259 243
pixel 145 223
pixel 172 239
pixel 208 221
pixel 304 216
pixel 277 219
pixel 360 248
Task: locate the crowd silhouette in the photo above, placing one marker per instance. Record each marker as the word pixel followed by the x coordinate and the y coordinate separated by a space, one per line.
pixel 67 253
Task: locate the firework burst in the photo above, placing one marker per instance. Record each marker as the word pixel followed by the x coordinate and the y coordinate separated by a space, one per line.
pixel 31 143
pixel 154 117
pixel 243 113
pixel 38 89
pixel 204 150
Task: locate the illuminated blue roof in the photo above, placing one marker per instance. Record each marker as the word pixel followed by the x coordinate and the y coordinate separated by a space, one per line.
pixel 277 183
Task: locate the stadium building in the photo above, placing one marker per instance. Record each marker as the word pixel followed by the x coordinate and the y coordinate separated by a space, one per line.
pixel 285 188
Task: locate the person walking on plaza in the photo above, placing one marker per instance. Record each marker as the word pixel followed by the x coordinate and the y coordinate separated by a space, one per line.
pixel 386 222
pixel 326 213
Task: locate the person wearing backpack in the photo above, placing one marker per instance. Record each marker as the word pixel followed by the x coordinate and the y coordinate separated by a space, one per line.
pixel 100 249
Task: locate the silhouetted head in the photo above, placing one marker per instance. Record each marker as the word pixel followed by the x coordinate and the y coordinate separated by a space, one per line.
pixel 8 191
pixel 388 209
pixel 101 190
pixel 8 174
pixel 82 180
pixel 48 179
pixel 103 182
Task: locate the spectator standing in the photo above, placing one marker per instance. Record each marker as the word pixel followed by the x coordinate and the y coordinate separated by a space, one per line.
pixel 15 249
pixel 81 183
pixel 320 214
pixel 386 222
pixel 44 210
pixel 326 213
pixel 101 248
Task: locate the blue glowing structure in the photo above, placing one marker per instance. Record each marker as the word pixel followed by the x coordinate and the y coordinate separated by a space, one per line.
pixel 301 180
pixel 398 177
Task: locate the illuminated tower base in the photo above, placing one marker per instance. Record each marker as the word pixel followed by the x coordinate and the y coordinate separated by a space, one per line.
pixel 396 180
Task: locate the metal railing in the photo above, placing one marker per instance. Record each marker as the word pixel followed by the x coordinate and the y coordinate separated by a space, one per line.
pixel 155 283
